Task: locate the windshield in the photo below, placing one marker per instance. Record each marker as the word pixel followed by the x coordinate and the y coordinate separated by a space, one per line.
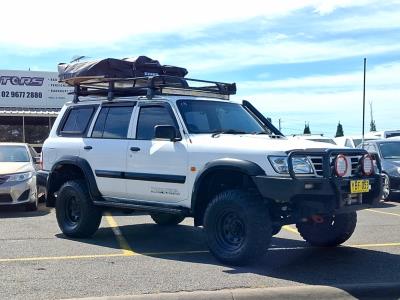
pixel 390 150
pixel 13 154
pixel 358 141
pixel 202 116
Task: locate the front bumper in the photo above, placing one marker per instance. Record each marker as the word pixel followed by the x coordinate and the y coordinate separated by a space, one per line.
pixel 331 194
pixel 15 193
pixel 326 193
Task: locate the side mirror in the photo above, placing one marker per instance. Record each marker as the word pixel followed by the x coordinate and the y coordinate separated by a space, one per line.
pixel 166 132
pixel 36 160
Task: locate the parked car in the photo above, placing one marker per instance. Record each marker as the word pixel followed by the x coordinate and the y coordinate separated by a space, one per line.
pixel 389 153
pixel 385 134
pixel 18 175
pixel 314 137
pixel 353 141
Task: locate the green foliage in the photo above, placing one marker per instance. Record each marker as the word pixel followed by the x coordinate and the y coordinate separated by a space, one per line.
pixel 372 126
pixel 307 129
pixel 339 130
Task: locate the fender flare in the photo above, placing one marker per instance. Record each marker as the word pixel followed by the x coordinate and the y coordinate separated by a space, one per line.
pixel 224 164
pixel 83 165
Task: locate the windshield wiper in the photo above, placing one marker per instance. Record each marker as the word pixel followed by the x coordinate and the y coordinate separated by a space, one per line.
pixel 230 131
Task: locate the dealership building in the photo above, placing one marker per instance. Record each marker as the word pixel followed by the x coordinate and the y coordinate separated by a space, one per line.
pixel 29 104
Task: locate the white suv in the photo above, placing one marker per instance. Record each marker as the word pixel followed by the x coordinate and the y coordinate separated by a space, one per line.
pixel 178 151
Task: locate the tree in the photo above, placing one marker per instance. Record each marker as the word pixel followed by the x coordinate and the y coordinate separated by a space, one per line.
pixel 372 126
pixel 307 129
pixel 339 130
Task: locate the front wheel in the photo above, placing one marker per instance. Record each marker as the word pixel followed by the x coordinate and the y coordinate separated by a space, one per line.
pixel 238 227
pixel 328 230
pixel 76 215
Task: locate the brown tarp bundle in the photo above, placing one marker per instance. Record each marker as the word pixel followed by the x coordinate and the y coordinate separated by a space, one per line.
pixel 116 68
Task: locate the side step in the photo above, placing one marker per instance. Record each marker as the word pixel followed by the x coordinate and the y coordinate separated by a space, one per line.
pixel 143 206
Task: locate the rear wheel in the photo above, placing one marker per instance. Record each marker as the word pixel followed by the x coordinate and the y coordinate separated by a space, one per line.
pixel 76 215
pixel 238 227
pixel 328 230
pixel 167 219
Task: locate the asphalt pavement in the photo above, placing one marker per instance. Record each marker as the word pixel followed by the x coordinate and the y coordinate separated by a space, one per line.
pixel 130 255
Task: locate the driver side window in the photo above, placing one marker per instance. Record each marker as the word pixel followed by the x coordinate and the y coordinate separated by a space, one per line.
pixel 151 116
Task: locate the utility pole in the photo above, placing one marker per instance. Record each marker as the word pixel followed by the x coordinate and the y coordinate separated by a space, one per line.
pixel 280 127
pixel 363 124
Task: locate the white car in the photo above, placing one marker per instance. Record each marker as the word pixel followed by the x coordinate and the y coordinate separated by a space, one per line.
pixel 315 138
pixel 353 141
pixel 18 175
pixel 161 145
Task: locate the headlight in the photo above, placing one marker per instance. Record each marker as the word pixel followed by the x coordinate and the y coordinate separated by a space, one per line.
pixel 20 176
pixel 301 165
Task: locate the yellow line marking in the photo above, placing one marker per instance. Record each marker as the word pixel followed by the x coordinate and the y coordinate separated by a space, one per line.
pixel 123 243
pixel 374 245
pixel 22 259
pixel 382 212
pixel 291 229
pixel 60 257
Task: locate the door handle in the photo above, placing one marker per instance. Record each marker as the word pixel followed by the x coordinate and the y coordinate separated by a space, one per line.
pixel 88 148
pixel 135 149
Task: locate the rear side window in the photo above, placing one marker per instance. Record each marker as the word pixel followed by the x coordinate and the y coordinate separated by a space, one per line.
pixel 77 121
pixel 113 122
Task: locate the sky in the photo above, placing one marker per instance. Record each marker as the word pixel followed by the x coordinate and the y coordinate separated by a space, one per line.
pixel 297 61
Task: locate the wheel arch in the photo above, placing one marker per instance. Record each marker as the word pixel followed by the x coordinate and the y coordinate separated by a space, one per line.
pixel 218 175
pixel 69 168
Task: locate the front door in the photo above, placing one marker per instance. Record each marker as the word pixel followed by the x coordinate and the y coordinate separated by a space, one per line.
pixel 156 169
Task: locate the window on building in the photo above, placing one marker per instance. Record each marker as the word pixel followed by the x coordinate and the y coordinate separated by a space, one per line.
pixel 11 129
pixel 36 129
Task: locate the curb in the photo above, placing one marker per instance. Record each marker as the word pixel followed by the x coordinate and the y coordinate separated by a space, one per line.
pixel 308 292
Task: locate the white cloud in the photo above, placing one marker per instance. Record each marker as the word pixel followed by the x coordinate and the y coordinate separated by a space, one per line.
pixel 50 24
pixel 379 77
pixel 326 99
pixel 234 55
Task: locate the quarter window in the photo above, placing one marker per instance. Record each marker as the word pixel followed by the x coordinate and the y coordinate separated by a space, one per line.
pixel 113 122
pixel 77 121
pixel 149 117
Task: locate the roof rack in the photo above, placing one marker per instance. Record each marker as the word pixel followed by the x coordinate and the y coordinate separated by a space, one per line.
pixel 151 86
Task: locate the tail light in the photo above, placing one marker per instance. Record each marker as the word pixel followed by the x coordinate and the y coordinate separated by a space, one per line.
pixel 341 165
pixel 367 165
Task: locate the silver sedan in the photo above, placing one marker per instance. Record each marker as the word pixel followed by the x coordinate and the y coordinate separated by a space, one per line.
pixel 18 176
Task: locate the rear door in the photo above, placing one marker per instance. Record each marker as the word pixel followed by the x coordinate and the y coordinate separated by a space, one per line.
pixel 106 146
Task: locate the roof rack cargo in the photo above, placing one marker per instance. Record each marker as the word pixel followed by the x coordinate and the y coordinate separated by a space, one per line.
pixel 151 86
pixel 137 77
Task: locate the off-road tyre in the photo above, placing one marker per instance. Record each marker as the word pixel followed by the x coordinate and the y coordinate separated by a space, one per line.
pixel 76 215
pixel 386 195
pixel 238 227
pixel 164 219
pixel 333 231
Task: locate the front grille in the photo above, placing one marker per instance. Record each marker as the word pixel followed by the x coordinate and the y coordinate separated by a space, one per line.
pixel 5 198
pixel 318 165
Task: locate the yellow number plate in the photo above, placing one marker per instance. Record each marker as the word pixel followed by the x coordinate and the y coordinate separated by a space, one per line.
pixel 359 186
